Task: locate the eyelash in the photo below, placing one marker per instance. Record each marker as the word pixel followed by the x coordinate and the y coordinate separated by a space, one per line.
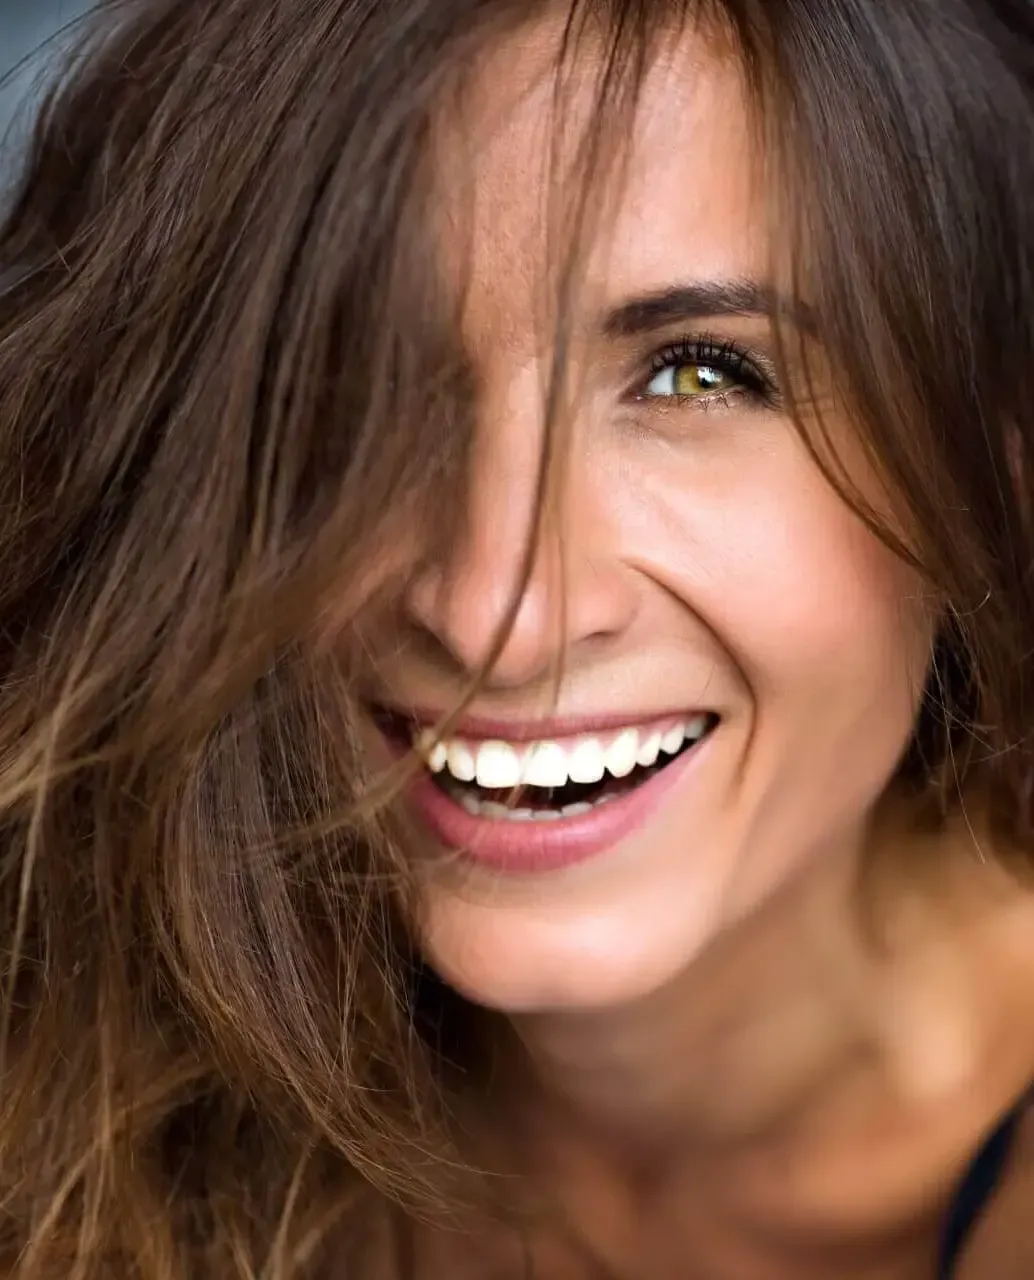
pixel 726 357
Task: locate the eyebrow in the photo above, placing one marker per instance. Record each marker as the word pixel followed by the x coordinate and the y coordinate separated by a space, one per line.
pixel 702 298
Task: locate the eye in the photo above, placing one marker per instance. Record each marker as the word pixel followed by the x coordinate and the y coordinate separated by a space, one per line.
pixel 690 380
pixel 704 371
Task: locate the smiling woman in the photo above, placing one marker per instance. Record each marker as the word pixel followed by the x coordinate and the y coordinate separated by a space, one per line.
pixel 516 642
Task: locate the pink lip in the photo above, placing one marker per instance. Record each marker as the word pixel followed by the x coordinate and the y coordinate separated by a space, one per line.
pixel 527 847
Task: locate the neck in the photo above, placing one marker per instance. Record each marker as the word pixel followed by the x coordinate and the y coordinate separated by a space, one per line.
pixel 783 1024
pixel 811 1089
pixel 731 1046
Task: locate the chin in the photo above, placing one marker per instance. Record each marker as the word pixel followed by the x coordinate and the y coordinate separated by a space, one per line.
pixel 552 948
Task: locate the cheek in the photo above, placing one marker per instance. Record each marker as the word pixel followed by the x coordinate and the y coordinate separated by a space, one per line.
pixel 814 602
pixel 827 630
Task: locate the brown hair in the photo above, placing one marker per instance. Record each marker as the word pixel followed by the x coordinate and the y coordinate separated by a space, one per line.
pixel 227 383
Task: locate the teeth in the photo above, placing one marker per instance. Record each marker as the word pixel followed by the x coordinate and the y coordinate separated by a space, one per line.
pixel 585 763
pixel 436 754
pixel 577 810
pixel 545 765
pixel 696 728
pixel 471 803
pixel 500 813
pixel 460 762
pixel 489 809
pixel 499 765
pixel 621 756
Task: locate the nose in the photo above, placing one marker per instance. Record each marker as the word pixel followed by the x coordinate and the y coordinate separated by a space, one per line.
pixel 578 597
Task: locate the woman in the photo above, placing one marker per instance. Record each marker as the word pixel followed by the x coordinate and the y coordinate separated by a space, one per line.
pixel 629 407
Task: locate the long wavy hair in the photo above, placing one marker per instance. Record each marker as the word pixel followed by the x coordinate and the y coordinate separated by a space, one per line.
pixel 233 413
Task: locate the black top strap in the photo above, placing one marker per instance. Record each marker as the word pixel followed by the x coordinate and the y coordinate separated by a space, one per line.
pixel 976 1190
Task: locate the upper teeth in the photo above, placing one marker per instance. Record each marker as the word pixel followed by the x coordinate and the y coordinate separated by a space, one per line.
pixel 499 764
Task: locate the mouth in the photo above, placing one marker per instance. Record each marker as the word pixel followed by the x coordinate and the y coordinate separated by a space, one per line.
pixel 544 803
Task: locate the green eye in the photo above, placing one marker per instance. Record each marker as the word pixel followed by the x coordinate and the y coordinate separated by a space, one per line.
pixel 705 372
pixel 689 381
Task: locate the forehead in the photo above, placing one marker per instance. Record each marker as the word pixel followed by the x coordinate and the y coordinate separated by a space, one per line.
pixel 688 205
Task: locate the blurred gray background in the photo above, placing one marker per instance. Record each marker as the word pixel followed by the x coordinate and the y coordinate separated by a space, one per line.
pixel 24 26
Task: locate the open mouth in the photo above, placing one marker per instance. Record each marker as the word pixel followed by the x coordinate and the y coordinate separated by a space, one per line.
pixel 552 780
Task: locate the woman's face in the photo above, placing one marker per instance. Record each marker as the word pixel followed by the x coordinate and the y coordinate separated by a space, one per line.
pixel 719 611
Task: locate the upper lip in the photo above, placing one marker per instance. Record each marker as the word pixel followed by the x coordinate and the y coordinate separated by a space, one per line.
pixel 487 728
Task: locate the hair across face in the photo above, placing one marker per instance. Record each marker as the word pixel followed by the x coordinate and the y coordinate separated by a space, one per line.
pixel 284 291
pixel 697 563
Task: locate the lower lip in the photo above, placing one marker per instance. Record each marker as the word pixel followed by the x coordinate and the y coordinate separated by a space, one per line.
pixel 525 847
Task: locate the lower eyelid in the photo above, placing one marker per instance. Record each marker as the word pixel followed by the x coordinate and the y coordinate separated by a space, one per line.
pixel 726 399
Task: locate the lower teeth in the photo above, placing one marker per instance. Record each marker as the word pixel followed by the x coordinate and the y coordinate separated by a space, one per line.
pixel 499 812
